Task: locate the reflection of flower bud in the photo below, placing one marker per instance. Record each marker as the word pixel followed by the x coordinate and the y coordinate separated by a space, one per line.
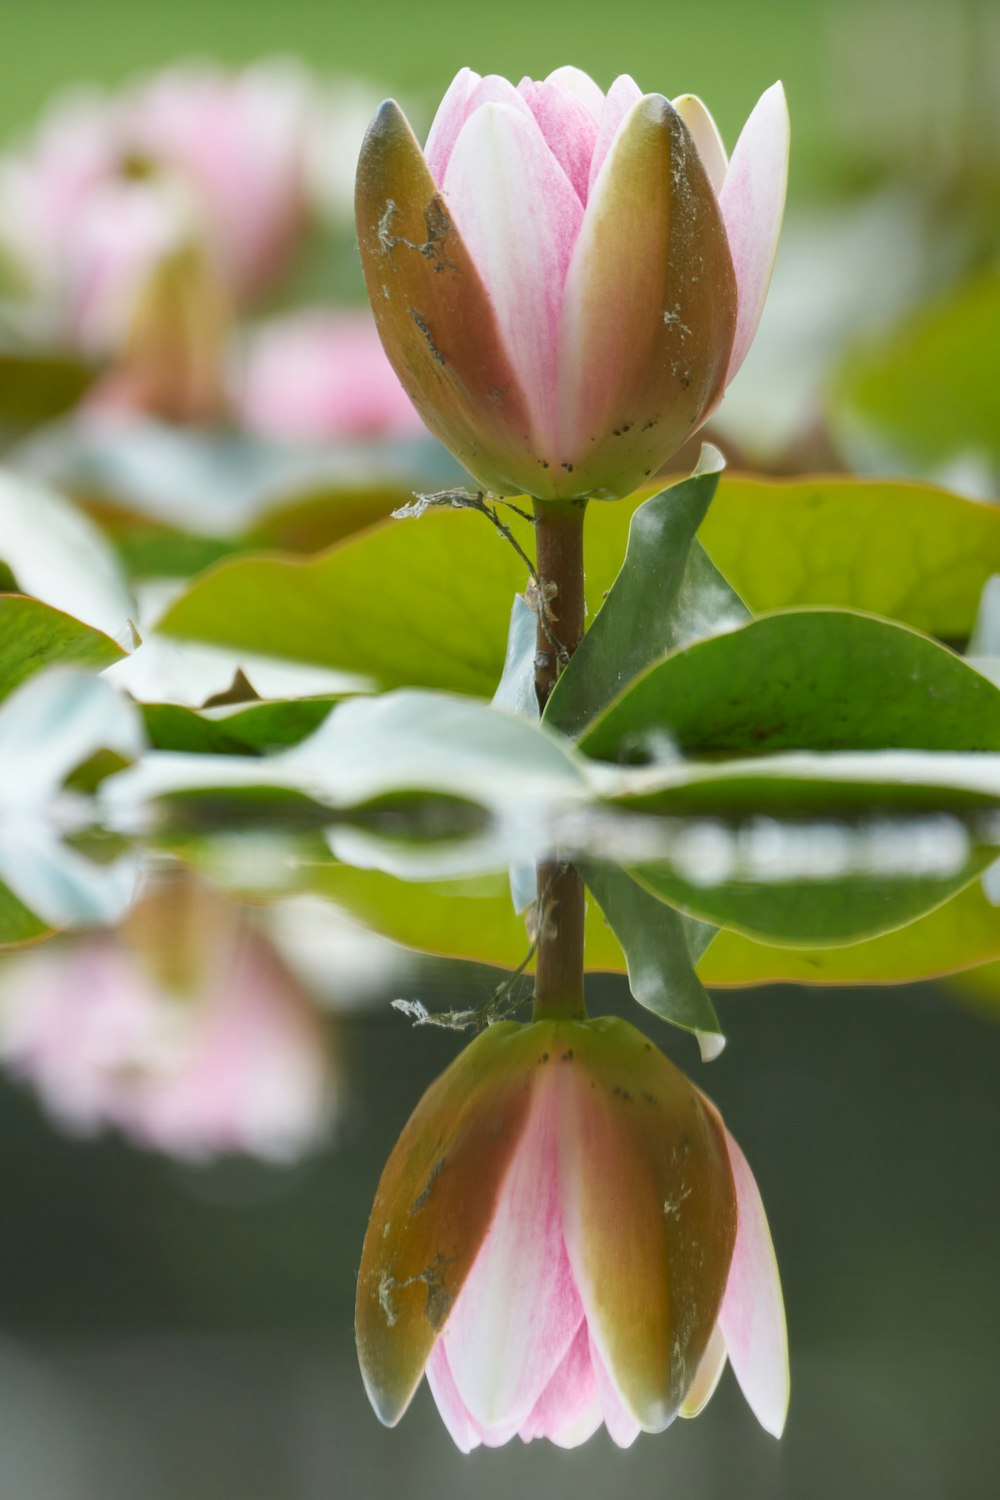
pixel 566 280
pixel 184 1031
pixel 566 1234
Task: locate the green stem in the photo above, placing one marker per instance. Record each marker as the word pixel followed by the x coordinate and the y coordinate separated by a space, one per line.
pixel 561 604
pixel 559 955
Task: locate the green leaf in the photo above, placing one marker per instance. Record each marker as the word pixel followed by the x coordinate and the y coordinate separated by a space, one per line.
pixel 802 679
pixel 654 938
pixel 409 603
pixel 36 387
pixel 18 925
pixel 925 396
pixel 473 918
pixel 254 729
pixel 33 635
pixel 908 551
pixel 958 935
pixel 667 595
pixel 816 912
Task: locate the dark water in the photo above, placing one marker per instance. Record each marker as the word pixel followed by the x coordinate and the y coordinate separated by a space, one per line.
pixel 177 1326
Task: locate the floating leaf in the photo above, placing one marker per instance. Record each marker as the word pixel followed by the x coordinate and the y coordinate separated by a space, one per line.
pixel 34 635
pixel 908 551
pixel 57 555
pixel 925 396
pixel 245 729
pixel 802 679
pixel 667 595
pixel 790 909
pixel 36 387
pixel 654 938
pixel 961 933
pixel 410 603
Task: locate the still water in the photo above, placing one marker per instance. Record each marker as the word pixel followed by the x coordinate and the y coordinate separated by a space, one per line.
pixel 197 1103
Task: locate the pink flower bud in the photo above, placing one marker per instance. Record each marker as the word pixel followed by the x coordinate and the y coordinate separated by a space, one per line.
pixel 565 280
pixel 318 375
pixel 565 1235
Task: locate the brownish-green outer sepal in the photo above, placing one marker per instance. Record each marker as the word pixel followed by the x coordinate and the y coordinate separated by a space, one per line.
pixel 433 1208
pixel 649 311
pixel 649 1212
pixel 433 312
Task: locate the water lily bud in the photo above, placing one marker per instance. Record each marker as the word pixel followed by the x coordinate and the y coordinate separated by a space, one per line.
pixel 565 280
pixel 564 1235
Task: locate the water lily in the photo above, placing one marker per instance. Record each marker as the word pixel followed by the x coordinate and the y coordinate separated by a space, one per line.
pixel 89 202
pixel 564 1235
pixel 566 280
pixel 318 374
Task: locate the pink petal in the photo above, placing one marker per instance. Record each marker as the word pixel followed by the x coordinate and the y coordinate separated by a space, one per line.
pixel 568 127
pixel 580 84
pixel 622 1427
pixel 461 1428
pixel 752 201
pixel 519 217
pixel 568 1411
pixel 705 134
pixel 752 1318
pixel 621 96
pixel 707 1376
pixel 451 115
pixel 519 1309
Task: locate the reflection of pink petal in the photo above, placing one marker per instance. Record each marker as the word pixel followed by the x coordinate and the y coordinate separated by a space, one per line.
pixel 622 1427
pixel 317 375
pixel 752 1318
pixel 527 1335
pixel 569 1409
pixel 449 1403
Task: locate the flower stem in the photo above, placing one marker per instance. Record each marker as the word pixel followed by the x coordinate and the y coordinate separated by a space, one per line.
pixel 559 960
pixel 560 604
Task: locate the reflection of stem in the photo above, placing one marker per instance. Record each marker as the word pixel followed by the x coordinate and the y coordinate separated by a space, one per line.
pixel 560 599
pixel 559 966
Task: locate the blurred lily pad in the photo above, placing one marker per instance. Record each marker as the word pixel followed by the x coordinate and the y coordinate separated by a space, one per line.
pixel 38 387
pixel 924 398
pixel 802 679
pixel 33 635
pixel 912 552
pixel 238 729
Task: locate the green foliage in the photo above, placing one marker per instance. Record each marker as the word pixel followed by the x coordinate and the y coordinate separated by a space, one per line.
pixel 34 635
pixel 802 679
pixel 927 395
pixel 911 552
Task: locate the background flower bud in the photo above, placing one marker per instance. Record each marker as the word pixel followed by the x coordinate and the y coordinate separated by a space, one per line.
pixel 565 1235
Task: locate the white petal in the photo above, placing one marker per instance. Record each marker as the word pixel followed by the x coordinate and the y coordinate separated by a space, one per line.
pixel 519 217
pixel 705 134
pixel 752 1318
pixel 707 1376
pixel 752 201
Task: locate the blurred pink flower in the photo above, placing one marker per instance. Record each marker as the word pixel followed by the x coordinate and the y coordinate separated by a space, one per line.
pixel 222 1056
pixel 565 1235
pixel 107 182
pixel 565 280
pixel 316 375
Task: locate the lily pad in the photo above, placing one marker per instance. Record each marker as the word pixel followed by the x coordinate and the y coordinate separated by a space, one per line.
pixel 911 552
pixel 33 635
pixel 960 934
pixel 667 595
pixel 802 679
